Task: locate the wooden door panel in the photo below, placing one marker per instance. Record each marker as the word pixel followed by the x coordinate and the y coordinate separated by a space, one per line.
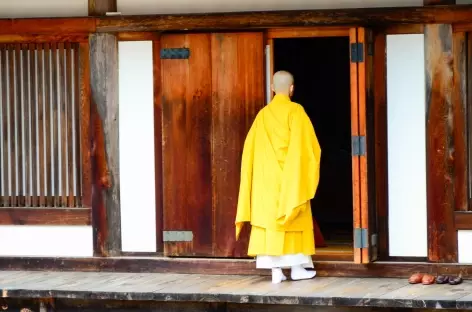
pixel 238 94
pixel 186 104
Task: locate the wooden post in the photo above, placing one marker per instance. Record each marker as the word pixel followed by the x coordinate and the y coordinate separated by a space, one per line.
pixel 101 7
pixel 106 182
pixel 442 237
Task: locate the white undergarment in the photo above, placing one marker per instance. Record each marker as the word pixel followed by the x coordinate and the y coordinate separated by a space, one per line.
pixel 283 262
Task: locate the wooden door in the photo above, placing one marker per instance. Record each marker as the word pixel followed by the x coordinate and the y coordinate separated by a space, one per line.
pixel 365 229
pixel 212 88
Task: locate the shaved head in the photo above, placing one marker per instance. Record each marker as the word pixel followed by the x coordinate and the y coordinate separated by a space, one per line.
pixel 283 83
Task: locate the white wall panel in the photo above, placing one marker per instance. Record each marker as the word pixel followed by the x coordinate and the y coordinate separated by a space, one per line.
pixel 46 241
pixel 465 246
pixel 129 7
pixel 137 180
pixel 42 8
pixel 406 145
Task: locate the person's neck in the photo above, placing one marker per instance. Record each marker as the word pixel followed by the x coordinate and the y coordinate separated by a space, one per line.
pixel 283 94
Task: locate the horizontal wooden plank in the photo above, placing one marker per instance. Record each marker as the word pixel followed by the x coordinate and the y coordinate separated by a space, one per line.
pixel 225 266
pixel 47 25
pixel 301 32
pixel 45 216
pixel 463 220
pixel 404 29
pixel 44 38
pixel 245 20
pixel 334 292
pixel 137 36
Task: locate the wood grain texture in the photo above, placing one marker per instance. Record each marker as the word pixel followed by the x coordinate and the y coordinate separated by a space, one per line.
pixel 459 115
pixel 5 144
pixel 381 142
pixel 45 216
pixel 42 38
pixel 101 7
pixel 307 18
pixel 365 106
pixel 187 113
pixel 442 240
pixel 463 220
pixel 224 266
pixel 356 199
pixel 238 95
pixel 54 26
pixel 156 46
pixel 104 94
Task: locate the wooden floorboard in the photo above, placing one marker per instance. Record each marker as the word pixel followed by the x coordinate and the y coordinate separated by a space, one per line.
pixel 236 289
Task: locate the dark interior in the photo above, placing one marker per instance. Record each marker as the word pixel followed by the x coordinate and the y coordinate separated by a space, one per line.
pixel 321 68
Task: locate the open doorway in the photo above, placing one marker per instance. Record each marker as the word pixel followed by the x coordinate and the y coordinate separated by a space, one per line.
pixel 321 68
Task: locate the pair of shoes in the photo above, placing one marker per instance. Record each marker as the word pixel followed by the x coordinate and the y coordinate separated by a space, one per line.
pixel 425 279
pixel 445 279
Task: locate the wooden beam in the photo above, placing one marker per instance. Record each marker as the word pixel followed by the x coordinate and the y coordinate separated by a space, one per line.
pixel 106 183
pixel 44 38
pixel 45 216
pixel 463 220
pixel 439 2
pixel 224 266
pixel 101 7
pixel 47 25
pixel 442 238
pixel 359 17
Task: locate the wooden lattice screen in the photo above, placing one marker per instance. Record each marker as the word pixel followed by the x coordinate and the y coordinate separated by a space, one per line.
pixel 40 154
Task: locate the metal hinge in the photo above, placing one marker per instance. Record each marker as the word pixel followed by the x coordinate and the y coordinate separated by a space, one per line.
pixel 175 53
pixel 177 236
pixel 361 238
pixel 358 145
pixel 357 52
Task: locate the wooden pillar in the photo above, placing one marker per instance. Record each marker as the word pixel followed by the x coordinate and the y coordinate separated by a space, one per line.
pixel 106 183
pixel 439 2
pixel 100 7
pixel 442 237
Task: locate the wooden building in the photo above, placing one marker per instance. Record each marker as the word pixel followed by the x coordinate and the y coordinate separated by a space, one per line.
pixel 122 133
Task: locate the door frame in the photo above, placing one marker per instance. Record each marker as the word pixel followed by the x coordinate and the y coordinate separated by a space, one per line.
pixel 359 167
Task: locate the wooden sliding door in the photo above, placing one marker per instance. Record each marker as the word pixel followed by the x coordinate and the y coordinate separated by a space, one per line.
pixel 212 88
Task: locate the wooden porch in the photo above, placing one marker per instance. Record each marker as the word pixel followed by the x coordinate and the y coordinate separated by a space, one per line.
pixel 229 289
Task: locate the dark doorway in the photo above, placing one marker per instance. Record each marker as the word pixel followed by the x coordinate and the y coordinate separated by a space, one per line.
pixel 321 68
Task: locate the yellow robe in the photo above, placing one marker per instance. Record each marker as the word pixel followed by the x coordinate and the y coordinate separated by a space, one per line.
pixel 280 172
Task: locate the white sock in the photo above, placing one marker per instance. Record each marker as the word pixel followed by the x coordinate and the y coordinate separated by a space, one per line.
pixel 278 276
pixel 300 273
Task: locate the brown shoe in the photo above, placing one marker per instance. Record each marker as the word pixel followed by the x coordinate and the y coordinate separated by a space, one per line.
pixel 428 279
pixel 415 278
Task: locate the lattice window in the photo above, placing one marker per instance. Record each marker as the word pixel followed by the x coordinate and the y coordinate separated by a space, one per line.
pixel 40 156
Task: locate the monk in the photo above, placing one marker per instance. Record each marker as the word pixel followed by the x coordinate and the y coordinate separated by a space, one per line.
pixel 280 173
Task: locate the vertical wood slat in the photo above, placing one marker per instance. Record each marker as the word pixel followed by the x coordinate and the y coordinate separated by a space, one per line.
pixel 19 127
pixel 42 121
pixel 47 123
pixel 442 237
pixel 469 116
pixel 82 116
pixel 26 123
pixel 12 122
pixel 355 159
pixel 55 125
pixel 5 146
pixel 69 118
pixel 33 102
pixel 38 83
pixel 63 126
